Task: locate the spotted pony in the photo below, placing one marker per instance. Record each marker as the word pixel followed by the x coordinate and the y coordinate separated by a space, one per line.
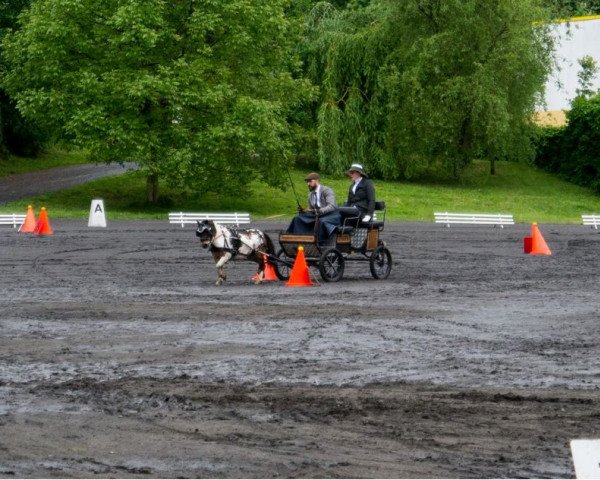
pixel 226 244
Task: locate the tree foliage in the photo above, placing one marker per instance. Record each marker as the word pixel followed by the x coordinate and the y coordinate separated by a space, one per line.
pixel 572 151
pixel 17 135
pixel 573 8
pixel 420 84
pixel 195 91
pixel 585 76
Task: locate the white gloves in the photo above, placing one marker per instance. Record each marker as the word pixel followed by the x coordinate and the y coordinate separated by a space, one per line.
pixel 366 218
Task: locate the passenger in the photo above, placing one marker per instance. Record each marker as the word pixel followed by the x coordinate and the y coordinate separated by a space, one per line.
pixel 322 213
pixel 361 193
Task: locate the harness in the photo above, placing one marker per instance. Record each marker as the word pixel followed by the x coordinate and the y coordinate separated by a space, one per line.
pixel 232 244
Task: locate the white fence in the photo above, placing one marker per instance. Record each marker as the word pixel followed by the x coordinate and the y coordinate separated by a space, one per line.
pixel 474 218
pixel 593 220
pixel 14 219
pixel 230 218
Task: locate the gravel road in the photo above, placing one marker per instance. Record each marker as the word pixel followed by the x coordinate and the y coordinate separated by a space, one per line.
pixel 14 187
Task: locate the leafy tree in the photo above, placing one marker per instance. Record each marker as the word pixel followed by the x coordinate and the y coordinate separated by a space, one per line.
pixel 589 69
pixel 573 8
pixel 572 150
pixel 420 84
pixel 195 91
pixel 17 135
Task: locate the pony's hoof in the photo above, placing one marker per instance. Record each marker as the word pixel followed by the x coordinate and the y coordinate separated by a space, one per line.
pixel 219 282
pixel 257 282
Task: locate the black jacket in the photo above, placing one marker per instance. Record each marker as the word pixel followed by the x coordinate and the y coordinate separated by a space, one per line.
pixel 364 198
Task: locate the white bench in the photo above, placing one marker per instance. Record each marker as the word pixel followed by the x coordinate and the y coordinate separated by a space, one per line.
pixel 592 219
pixel 230 218
pixel 14 219
pixel 474 218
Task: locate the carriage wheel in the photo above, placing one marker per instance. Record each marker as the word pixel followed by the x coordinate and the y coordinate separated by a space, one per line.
pixel 331 265
pixel 380 263
pixel 282 269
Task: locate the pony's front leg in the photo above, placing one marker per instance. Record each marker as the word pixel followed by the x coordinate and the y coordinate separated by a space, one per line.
pixel 221 277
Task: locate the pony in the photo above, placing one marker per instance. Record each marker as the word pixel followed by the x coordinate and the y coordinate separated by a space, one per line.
pixel 226 243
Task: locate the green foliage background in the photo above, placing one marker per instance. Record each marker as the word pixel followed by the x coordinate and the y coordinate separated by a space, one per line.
pixel 211 96
pixel 573 151
pixel 197 92
pixel 427 85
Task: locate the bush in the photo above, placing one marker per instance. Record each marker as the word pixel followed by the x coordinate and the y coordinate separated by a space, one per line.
pixel 573 151
pixel 549 148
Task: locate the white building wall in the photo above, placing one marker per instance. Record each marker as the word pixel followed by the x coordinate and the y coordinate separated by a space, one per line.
pixel 574 39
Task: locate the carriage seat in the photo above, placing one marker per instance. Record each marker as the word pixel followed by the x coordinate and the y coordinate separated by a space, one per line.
pixel 347 229
pixel 372 225
pixel 351 215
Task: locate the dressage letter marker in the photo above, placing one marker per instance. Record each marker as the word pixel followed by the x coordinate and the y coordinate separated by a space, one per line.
pixel 586 458
pixel 97 217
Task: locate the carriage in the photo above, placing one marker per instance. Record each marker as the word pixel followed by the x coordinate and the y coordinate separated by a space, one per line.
pixel 353 240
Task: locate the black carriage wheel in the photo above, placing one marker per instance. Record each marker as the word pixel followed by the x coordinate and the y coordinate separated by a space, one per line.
pixel 282 269
pixel 380 263
pixel 331 265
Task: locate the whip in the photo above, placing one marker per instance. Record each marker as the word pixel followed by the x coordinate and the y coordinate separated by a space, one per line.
pixel 293 188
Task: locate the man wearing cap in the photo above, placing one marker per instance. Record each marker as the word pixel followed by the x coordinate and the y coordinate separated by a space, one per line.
pixel 322 212
pixel 361 193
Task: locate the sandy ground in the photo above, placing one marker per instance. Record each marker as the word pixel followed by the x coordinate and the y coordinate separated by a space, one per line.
pixel 120 358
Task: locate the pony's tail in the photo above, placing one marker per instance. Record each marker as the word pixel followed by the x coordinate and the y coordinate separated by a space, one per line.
pixel 270 245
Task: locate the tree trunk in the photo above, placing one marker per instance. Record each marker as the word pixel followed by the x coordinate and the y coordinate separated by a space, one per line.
pixel 492 166
pixel 3 149
pixel 152 188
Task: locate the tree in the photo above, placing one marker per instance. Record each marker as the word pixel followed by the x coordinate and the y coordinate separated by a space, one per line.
pixel 420 84
pixel 585 77
pixel 17 135
pixel 195 91
pixel 572 8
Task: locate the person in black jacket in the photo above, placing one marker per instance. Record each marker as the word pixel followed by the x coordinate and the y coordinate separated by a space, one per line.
pixel 361 193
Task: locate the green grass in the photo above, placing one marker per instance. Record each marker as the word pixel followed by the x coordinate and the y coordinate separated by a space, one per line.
pixel 528 193
pixel 52 157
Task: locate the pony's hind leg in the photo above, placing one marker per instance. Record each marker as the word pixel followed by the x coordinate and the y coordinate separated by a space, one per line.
pixel 261 275
pixel 262 264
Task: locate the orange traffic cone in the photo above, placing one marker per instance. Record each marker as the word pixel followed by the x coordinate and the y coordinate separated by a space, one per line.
pixel 535 245
pixel 30 221
pixel 43 225
pixel 269 273
pixel 299 276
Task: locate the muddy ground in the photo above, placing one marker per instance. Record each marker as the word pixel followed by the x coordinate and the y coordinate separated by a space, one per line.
pixel 120 358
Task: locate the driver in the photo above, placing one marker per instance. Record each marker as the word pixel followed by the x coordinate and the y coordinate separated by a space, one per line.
pixel 322 212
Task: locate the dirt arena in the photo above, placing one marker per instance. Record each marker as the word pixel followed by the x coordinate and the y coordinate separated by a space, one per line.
pixel 120 358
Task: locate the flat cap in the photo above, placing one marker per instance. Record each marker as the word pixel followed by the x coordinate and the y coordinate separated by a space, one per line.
pixel 312 176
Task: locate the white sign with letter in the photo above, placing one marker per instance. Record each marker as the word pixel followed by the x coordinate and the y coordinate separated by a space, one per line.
pixel 586 458
pixel 97 216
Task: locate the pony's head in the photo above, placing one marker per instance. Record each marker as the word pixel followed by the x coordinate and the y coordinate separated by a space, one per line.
pixel 206 231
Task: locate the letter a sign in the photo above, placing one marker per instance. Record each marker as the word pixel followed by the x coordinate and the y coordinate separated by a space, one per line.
pixel 586 458
pixel 97 216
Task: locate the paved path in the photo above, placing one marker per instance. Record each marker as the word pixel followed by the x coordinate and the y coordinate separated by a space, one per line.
pixel 14 187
